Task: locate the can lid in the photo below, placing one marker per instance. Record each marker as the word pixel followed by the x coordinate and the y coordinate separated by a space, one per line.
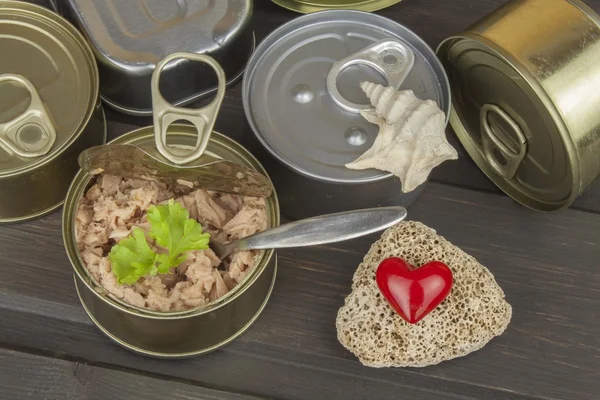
pixel 302 92
pixel 508 124
pixel 48 85
pixel 309 6
pixel 176 164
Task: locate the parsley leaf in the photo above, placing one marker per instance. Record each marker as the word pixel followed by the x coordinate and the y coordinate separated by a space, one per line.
pixel 132 258
pixel 172 229
pixel 175 231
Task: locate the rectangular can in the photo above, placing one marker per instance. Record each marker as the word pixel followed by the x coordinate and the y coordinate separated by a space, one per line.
pixel 525 95
pixel 130 37
pixel 185 333
pixel 49 107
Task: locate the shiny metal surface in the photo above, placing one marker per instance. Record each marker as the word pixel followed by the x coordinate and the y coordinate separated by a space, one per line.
pixel 198 335
pixel 183 333
pixel 317 230
pixel 144 162
pixel 129 38
pixel 49 109
pixel 164 114
pixel 296 120
pixel 309 6
pixel 391 58
pixel 288 105
pixel 32 133
pixel 524 82
pixel 174 164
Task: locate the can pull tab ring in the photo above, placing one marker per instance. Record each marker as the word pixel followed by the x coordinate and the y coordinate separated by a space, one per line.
pixel 32 133
pixel 502 158
pixel 164 113
pixel 391 58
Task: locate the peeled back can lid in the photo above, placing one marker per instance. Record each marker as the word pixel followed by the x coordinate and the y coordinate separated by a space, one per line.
pixel 48 86
pixel 308 6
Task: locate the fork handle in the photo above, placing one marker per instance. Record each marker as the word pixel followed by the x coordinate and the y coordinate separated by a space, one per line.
pixel 325 229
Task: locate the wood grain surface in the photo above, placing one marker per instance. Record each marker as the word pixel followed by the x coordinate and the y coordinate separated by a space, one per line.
pixel 547 264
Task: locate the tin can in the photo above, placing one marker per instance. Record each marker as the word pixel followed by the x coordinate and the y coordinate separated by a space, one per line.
pixel 183 333
pixel 309 6
pixel 302 97
pixel 50 109
pixel 525 100
pixel 130 37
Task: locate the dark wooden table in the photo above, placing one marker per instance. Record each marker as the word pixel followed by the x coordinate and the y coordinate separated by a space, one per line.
pixel 547 265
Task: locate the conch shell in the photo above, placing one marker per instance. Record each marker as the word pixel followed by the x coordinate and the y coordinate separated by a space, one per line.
pixel 411 140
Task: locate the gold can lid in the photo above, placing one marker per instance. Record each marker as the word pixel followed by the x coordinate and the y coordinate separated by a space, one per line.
pixel 48 86
pixel 508 125
pixel 309 6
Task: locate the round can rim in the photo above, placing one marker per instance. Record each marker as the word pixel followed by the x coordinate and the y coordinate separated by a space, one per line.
pixel 261 50
pixel 82 179
pixel 59 20
pixel 536 87
pixel 309 9
pixel 174 356
pixel 137 112
pixel 587 10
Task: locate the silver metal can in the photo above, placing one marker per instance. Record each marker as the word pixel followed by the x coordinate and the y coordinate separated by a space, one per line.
pixel 50 109
pixel 203 329
pixel 130 37
pixel 301 96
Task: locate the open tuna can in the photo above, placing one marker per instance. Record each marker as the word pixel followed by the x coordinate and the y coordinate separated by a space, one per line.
pixel 129 38
pixel 314 96
pixel 50 109
pixel 148 199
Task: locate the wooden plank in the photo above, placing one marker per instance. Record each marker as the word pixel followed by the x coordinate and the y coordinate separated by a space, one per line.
pixel 26 376
pixel 545 264
pixel 253 368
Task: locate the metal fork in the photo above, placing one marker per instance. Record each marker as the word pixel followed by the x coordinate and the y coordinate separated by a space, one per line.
pixel 317 230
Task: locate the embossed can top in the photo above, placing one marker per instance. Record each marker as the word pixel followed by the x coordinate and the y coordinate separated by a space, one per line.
pixel 302 92
pixel 48 86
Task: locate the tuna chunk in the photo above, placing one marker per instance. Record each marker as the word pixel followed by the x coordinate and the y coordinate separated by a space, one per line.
pixel 113 207
pixel 109 184
pixel 208 210
pixel 251 219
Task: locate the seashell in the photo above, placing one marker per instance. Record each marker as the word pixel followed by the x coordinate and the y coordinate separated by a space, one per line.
pixel 411 139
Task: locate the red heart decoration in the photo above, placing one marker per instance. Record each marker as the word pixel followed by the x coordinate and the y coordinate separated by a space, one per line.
pixel 413 292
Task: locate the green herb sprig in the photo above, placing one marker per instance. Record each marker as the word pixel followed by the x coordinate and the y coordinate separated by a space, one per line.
pixel 172 229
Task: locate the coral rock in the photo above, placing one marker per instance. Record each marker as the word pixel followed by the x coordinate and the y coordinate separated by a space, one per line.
pixel 474 312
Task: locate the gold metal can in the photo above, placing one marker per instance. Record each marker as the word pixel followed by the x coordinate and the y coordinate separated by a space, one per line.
pixel 196 331
pixel 525 100
pixel 309 6
pixel 177 334
pixel 50 109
